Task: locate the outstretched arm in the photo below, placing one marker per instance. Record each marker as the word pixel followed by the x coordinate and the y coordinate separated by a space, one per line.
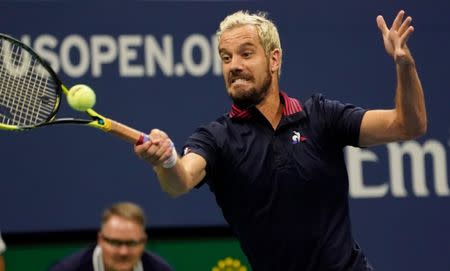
pixel 408 119
pixel 178 176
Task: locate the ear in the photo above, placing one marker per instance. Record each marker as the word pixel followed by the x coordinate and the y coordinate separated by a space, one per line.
pixel 275 60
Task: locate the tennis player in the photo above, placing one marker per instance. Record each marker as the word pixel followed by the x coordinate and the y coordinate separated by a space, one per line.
pixel 275 164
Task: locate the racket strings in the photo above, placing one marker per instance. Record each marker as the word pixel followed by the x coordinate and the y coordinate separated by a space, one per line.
pixel 25 105
pixel 16 100
pixel 28 92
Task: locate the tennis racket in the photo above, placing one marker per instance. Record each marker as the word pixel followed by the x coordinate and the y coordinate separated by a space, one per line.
pixel 31 93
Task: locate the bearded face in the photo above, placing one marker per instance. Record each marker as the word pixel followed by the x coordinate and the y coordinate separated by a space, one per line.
pixel 246 67
pixel 244 91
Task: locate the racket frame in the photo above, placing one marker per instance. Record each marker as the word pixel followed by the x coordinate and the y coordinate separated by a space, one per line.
pixel 96 120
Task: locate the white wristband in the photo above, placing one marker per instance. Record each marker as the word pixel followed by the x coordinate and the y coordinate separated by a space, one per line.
pixel 172 160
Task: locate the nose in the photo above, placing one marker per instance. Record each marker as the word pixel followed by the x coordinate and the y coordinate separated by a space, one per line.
pixel 236 64
pixel 123 249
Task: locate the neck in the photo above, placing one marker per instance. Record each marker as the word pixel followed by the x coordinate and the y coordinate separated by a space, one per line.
pixel 271 107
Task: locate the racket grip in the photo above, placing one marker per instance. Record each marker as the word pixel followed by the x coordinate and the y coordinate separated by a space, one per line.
pixel 142 139
pixel 127 133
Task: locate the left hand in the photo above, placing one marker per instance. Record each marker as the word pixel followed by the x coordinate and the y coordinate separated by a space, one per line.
pixel 395 38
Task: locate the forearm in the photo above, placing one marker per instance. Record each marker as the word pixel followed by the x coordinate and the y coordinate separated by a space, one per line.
pixel 173 180
pixel 408 119
pixel 176 175
pixel 187 172
pixel 410 101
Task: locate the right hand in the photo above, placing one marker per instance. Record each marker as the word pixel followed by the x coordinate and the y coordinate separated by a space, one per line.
pixel 157 150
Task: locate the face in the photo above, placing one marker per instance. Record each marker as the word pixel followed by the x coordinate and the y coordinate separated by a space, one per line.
pixel 246 68
pixel 122 242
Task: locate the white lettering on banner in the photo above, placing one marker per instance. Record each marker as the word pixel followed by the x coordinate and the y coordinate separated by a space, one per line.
pixel 44 46
pixel 105 49
pixel 127 54
pixel 130 55
pixel 78 44
pixel 396 153
pixel 217 62
pixel 355 158
pixel 205 62
pixel 157 55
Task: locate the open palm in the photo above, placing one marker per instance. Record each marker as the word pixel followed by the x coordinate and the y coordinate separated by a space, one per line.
pixel 395 38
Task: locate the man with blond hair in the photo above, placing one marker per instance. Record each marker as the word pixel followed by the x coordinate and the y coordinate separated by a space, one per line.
pixel 275 164
pixel 120 245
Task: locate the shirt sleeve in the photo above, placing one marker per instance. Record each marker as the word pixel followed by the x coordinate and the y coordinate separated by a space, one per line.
pixel 342 121
pixel 203 142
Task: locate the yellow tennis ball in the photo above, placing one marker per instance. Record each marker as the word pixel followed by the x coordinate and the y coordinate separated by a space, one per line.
pixel 81 97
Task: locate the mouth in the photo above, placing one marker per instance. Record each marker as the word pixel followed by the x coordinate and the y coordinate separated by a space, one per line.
pixel 239 80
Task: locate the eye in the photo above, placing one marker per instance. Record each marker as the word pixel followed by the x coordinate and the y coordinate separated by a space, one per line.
pixel 116 243
pixel 225 58
pixel 247 54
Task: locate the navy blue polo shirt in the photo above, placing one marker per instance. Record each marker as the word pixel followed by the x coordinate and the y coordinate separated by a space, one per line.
pixel 284 192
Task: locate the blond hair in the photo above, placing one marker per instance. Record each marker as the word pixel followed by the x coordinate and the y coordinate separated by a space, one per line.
pixel 267 31
pixel 127 210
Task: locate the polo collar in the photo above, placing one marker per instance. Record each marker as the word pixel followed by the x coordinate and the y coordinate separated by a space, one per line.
pixel 291 107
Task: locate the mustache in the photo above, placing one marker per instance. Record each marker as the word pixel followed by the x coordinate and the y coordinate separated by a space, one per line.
pixel 234 75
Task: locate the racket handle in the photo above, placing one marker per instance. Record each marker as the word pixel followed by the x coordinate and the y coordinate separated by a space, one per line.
pixel 127 133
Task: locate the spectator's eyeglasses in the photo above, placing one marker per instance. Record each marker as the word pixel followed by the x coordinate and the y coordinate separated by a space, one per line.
pixel 118 243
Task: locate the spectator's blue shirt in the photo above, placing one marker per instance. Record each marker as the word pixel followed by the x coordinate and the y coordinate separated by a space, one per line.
pixel 284 191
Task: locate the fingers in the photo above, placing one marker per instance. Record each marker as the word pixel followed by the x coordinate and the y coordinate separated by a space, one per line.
pixel 398 20
pixel 156 136
pixel 157 150
pixel 406 35
pixel 382 24
pixel 399 25
pixel 396 36
pixel 405 25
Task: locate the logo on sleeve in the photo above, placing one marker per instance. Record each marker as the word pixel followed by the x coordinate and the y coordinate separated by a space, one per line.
pixel 297 137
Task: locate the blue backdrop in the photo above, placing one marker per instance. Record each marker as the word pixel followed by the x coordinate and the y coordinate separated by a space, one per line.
pixel 154 64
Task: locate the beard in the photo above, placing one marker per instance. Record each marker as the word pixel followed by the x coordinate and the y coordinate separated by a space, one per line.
pixel 253 96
